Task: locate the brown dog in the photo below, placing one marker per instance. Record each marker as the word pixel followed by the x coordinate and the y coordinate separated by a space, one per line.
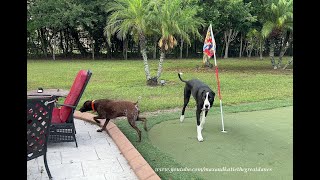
pixel 110 109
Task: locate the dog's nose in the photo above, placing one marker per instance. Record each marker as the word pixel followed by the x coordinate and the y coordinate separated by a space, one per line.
pixel 206 106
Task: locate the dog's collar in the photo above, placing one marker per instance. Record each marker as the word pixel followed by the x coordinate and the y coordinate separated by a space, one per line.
pixel 92 105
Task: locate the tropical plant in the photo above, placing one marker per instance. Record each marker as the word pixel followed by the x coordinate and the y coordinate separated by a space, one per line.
pixel 129 17
pixel 279 23
pixel 171 19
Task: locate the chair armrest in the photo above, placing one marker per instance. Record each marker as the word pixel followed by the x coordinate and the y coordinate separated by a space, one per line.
pixel 73 107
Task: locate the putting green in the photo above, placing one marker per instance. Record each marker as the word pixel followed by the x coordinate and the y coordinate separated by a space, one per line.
pixel 259 140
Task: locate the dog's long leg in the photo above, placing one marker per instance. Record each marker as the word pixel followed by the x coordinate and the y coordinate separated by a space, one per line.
pixel 96 119
pixel 203 120
pixel 132 123
pixel 199 129
pixel 187 94
pixel 104 125
pixel 144 120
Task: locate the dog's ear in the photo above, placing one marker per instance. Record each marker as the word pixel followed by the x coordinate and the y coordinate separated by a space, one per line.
pixel 203 94
pixel 212 95
pixel 85 106
pixel 87 103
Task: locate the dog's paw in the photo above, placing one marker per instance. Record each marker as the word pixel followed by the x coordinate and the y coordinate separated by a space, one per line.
pixel 181 118
pixel 200 138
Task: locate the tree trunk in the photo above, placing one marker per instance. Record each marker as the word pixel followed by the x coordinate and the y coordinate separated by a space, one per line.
pixel 250 51
pixel 290 62
pixel 195 45
pixel 155 45
pixel 92 49
pixel 61 42
pixel 261 51
pixel 285 45
pixel 142 41
pixel 240 51
pixel 75 35
pixel 224 44
pixel 125 49
pixel 181 48
pixel 226 40
pixel 162 56
pixel 187 52
pixel 229 36
pixel 53 53
pixel 271 53
pixel 66 40
pixel 52 45
pixel 52 48
pixel 109 54
pixel 226 51
pixel 131 47
pixel 43 41
pixel 244 48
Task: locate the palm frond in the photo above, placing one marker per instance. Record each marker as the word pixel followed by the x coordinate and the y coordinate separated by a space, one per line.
pixel 267 28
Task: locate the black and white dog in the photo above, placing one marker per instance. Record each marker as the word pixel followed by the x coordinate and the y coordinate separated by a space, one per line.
pixel 204 98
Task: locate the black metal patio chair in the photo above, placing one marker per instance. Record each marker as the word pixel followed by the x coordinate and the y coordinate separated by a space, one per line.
pixel 62 128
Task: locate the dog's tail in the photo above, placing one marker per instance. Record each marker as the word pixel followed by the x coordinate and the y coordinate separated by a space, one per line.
pixel 139 118
pixel 138 100
pixel 179 74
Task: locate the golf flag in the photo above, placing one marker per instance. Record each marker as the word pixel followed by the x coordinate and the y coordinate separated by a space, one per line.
pixel 209 46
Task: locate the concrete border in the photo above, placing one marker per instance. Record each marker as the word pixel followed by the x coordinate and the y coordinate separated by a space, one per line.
pixel 138 164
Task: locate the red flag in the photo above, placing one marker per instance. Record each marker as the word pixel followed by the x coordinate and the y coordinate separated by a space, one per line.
pixel 209 45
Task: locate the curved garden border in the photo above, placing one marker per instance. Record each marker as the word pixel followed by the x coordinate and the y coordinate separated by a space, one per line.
pixel 139 165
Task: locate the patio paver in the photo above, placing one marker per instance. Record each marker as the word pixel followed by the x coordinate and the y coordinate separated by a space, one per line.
pixel 96 158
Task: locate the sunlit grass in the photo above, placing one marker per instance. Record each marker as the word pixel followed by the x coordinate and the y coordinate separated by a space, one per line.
pixel 242 80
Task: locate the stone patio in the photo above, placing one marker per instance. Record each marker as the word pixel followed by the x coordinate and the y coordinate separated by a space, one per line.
pixel 96 158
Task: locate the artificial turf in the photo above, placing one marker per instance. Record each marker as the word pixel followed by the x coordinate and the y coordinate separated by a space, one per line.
pixel 258 139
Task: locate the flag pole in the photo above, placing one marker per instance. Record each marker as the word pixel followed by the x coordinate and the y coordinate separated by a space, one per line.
pixel 217 76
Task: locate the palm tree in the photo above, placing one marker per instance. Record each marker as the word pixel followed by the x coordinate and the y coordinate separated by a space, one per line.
pixel 190 23
pixel 129 17
pixel 172 18
pixel 279 23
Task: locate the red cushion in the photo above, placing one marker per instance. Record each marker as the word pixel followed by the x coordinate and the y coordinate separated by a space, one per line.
pixel 55 116
pixel 73 95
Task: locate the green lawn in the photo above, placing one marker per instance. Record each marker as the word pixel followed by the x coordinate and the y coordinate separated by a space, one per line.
pixel 241 81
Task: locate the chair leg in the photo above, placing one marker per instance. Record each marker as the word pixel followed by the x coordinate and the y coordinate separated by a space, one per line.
pixel 46 165
pixel 74 134
pixel 75 140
